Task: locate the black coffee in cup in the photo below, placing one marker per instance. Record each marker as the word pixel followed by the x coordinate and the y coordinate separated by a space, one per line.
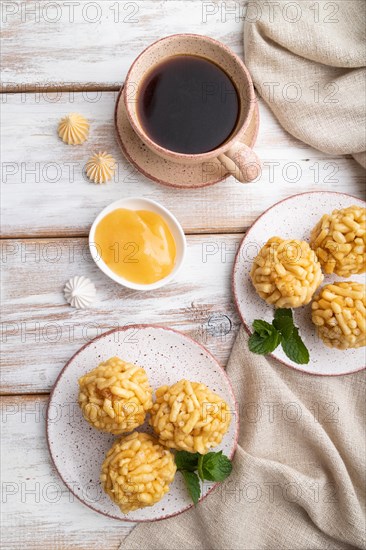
pixel 188 104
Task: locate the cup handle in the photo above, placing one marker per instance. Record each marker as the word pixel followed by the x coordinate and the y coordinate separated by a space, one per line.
pixel 242 162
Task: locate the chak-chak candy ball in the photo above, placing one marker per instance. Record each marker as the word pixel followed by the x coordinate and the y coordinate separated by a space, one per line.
pixel 115 396
pixel 339 241
pixel 137 472
pixel 286 273
pixel 189 416
pixel 339 312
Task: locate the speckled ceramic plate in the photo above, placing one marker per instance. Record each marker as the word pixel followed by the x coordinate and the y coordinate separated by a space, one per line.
pixel 78 450
pixel 164 171
pixel 294 218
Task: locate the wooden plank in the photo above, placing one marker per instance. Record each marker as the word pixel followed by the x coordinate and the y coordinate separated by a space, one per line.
pixel 46 194
pixel 70 44
pixel 40 331
pixel 38 511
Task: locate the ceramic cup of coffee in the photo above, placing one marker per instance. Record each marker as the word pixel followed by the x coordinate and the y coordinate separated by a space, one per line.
pixel 190 99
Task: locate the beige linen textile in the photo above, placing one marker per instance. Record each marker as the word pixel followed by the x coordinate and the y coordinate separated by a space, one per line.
pixel 307 60
pixel 299 471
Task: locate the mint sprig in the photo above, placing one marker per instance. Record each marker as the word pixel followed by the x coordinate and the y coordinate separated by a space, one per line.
pixel 283 322
pixel 214 466
pixel 267 337
pixel 193 485
pixel 187 461
pixel 295 348
pixel 283 312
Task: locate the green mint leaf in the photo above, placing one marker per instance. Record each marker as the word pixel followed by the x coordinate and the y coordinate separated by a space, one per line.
pixel 264 344
pixel 186 461
pixel 193 485
pixel 295 348
pixel 284 325
pixel 200 467
pixel 282 312
pixel 262 327
pixel 258 344
pixel 216 466
pixel 266 337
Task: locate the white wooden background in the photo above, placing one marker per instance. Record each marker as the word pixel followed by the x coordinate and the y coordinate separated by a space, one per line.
pixel 58 57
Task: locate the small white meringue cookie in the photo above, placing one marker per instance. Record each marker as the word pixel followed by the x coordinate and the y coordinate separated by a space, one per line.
pixel 79 292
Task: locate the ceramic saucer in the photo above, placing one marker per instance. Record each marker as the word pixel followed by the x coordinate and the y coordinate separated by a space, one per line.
pixel 172 173
pixel 78 450
pixel 294 218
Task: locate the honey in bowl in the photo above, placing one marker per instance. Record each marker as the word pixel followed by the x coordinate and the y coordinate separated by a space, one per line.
pixel 136 245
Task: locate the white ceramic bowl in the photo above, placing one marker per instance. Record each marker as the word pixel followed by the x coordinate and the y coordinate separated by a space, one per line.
pixel 140 203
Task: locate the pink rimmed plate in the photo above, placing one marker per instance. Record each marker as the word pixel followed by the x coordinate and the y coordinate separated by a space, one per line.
pixel 294 218
pixel 78 450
